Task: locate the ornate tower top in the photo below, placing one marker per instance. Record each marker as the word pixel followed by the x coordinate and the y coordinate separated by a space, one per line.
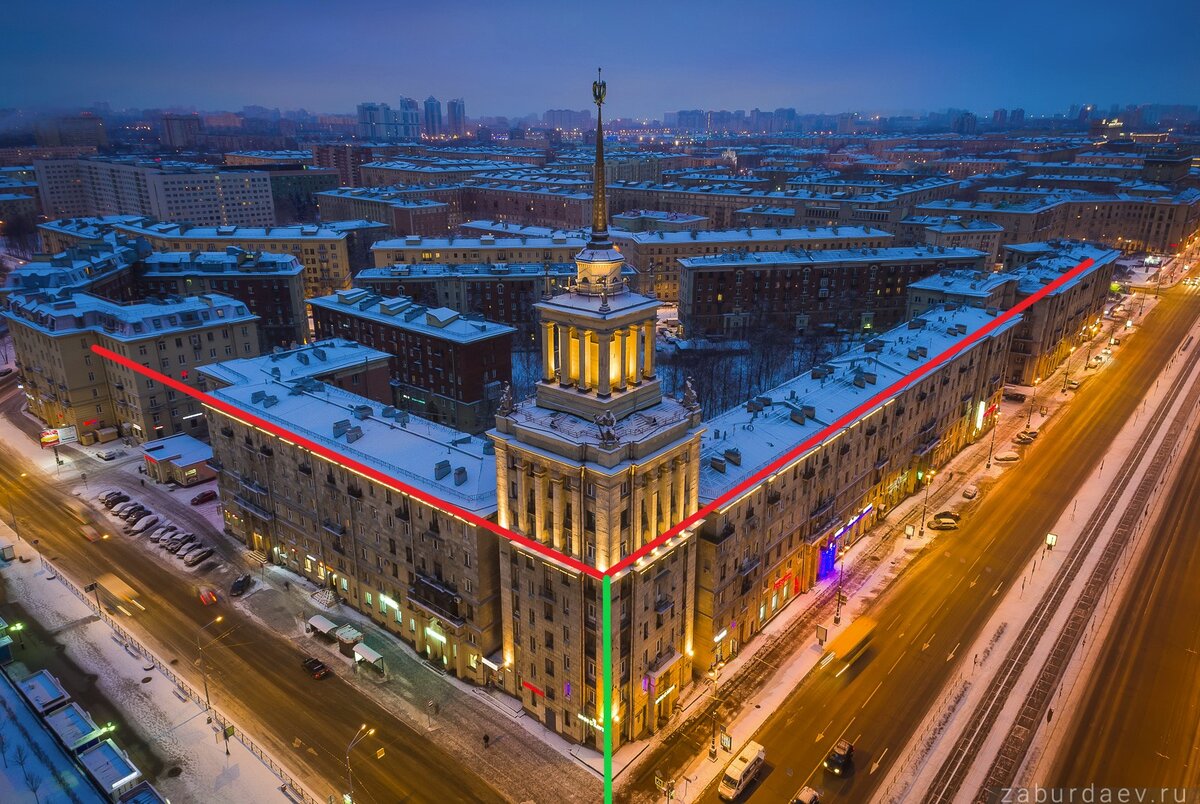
pixel 599 203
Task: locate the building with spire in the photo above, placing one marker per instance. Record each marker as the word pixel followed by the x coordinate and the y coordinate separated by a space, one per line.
pixel 596 465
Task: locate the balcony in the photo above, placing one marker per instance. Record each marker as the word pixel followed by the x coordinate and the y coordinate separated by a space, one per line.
pixel 437 598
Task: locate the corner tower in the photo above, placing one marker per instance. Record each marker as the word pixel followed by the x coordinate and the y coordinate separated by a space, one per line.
pixel 596 465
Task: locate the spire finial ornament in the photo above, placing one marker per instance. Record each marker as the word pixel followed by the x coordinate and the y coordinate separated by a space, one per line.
pixel 599 203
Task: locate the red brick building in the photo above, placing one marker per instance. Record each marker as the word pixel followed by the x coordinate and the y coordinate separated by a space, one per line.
pixel 445 366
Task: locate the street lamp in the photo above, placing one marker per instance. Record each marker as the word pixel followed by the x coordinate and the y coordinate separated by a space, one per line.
pixel 204 667
pixel 362 734
pixel 18 628
pixel 1067 369
pixel 837 612
pixel 925 505
pixel 1032 401
pixel 992 446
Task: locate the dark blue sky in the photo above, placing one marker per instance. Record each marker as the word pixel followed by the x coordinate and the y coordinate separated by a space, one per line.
pixel 516 57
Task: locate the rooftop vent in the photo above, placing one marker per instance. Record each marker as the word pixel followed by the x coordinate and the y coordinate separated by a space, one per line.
pixel 441 469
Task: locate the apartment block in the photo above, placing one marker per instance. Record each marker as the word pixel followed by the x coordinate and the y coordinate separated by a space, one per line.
pixel 339 363
pixel 807 292
pixel 184 191
pixel 518 247
pixel 424 576
pixel 446 367
pixel 401 209
pixel 67 385
pixel 270 285
pixel 951 231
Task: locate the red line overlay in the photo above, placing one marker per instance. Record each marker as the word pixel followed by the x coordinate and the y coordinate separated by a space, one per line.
pixel 842 422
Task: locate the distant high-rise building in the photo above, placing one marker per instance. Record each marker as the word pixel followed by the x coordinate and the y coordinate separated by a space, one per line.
pixel 376 121
pixel 180 130
pixel 433 117
pixel 965 123
pixel 1016 117
pixel 845 122
pixel 456 118
pixel 1000 118
pixel 408 120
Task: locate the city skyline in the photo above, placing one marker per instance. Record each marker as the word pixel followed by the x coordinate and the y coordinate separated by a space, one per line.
pixel 496 64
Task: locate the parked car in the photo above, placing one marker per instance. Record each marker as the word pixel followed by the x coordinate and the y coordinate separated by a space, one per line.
pixel 144 524
pixel 204 496
pixel 104 495
pixel 1008 457
pixel 241 585
pixel 174 547
pixel 107 455
pixel 133 511
pixel 970 492
pixel 841 759
pixel 122 506
pixel 941 524
pixel 4 372
pixel 315 667
pixel 189 549
pixel 203 555
pixel 948 515
pixel 173 544
pixel 163 533
pixel 115 500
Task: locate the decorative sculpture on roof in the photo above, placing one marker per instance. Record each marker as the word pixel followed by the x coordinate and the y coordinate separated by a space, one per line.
pixel 506 400
pixel 690 400
pixel 606 421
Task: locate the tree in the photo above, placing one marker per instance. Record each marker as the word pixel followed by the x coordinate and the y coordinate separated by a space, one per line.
pixel 33 780
pixel 4 747
pixel 20 755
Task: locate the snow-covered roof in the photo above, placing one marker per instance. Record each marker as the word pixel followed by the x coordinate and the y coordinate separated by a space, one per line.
pixel 507 228
pixel 275 156
pixel 763 437
pixel 828 256
pixel 658 215
pixel 953 223
pixel 963 282
pixel 436 166
pixel 736 237
pixel 43 690
pixel 76 268
pixel 446 463
pixel 90 227
pixel 484 269
pixel 180 449
pixel 75 312
pixel 401 312
pixel 486 241
pixel 1033 275
pixel 393 197
pixel 317 359
pixel 109 766
pixel 326 230
pixel 233 260
pixel 72 724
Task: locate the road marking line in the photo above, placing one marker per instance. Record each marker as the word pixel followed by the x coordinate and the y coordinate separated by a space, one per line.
pixel 872 695
pixel 898 658
pixel 875 765
pixel 821 733
pixel 951 656
pixel 928 642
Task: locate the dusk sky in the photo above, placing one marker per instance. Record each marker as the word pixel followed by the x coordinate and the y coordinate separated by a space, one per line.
pixel 522 57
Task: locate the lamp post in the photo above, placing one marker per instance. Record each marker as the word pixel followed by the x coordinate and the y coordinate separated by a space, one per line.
pixel 204 667
pixel 1067 369
pixel 1032 402
pixel 992 445
pixel 362 734
pixel 925 505
pixel 837 612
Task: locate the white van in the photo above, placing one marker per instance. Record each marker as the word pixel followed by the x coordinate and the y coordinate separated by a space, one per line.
pixel 742 771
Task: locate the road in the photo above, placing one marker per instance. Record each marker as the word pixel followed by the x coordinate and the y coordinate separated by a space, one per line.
pixel 1142 727
pixel 305 723
pixel 947 595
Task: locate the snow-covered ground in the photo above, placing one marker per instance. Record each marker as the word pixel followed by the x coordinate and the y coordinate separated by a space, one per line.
pixel 915 768
pixel 171 723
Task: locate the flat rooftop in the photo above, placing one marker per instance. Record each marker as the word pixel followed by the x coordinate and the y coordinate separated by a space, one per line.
pixel 316 359
pixel 827 256
pixel 401 312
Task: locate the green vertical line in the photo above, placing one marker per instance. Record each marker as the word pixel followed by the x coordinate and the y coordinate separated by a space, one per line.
pixel 606 695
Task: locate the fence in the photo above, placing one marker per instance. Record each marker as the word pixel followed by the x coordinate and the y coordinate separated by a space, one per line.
pixel 291 786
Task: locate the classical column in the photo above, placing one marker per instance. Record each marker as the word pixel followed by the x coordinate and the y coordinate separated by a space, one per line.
pixel 652 507
pixel 547 350
pixel 648 345
pixel 678 481
pixel 635 512
pixel 664 496
pixel 604 352
pixel 639 354
pixel 556 509
pixel 575 547
pixel 583 373
pixel 539 503
pixel 623 380
pixel 564 355
pixel 522 495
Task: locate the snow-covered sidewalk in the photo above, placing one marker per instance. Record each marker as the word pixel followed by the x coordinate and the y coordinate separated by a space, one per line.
pixel 174 725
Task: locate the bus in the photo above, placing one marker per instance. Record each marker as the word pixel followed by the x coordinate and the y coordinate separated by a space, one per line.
pixel 847 646
pixel 118 591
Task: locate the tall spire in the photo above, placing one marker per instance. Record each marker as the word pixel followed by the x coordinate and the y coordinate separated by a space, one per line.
pixel 599 204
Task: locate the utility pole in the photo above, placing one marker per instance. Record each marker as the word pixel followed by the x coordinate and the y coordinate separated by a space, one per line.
pixel 992 446
pixel 924 510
